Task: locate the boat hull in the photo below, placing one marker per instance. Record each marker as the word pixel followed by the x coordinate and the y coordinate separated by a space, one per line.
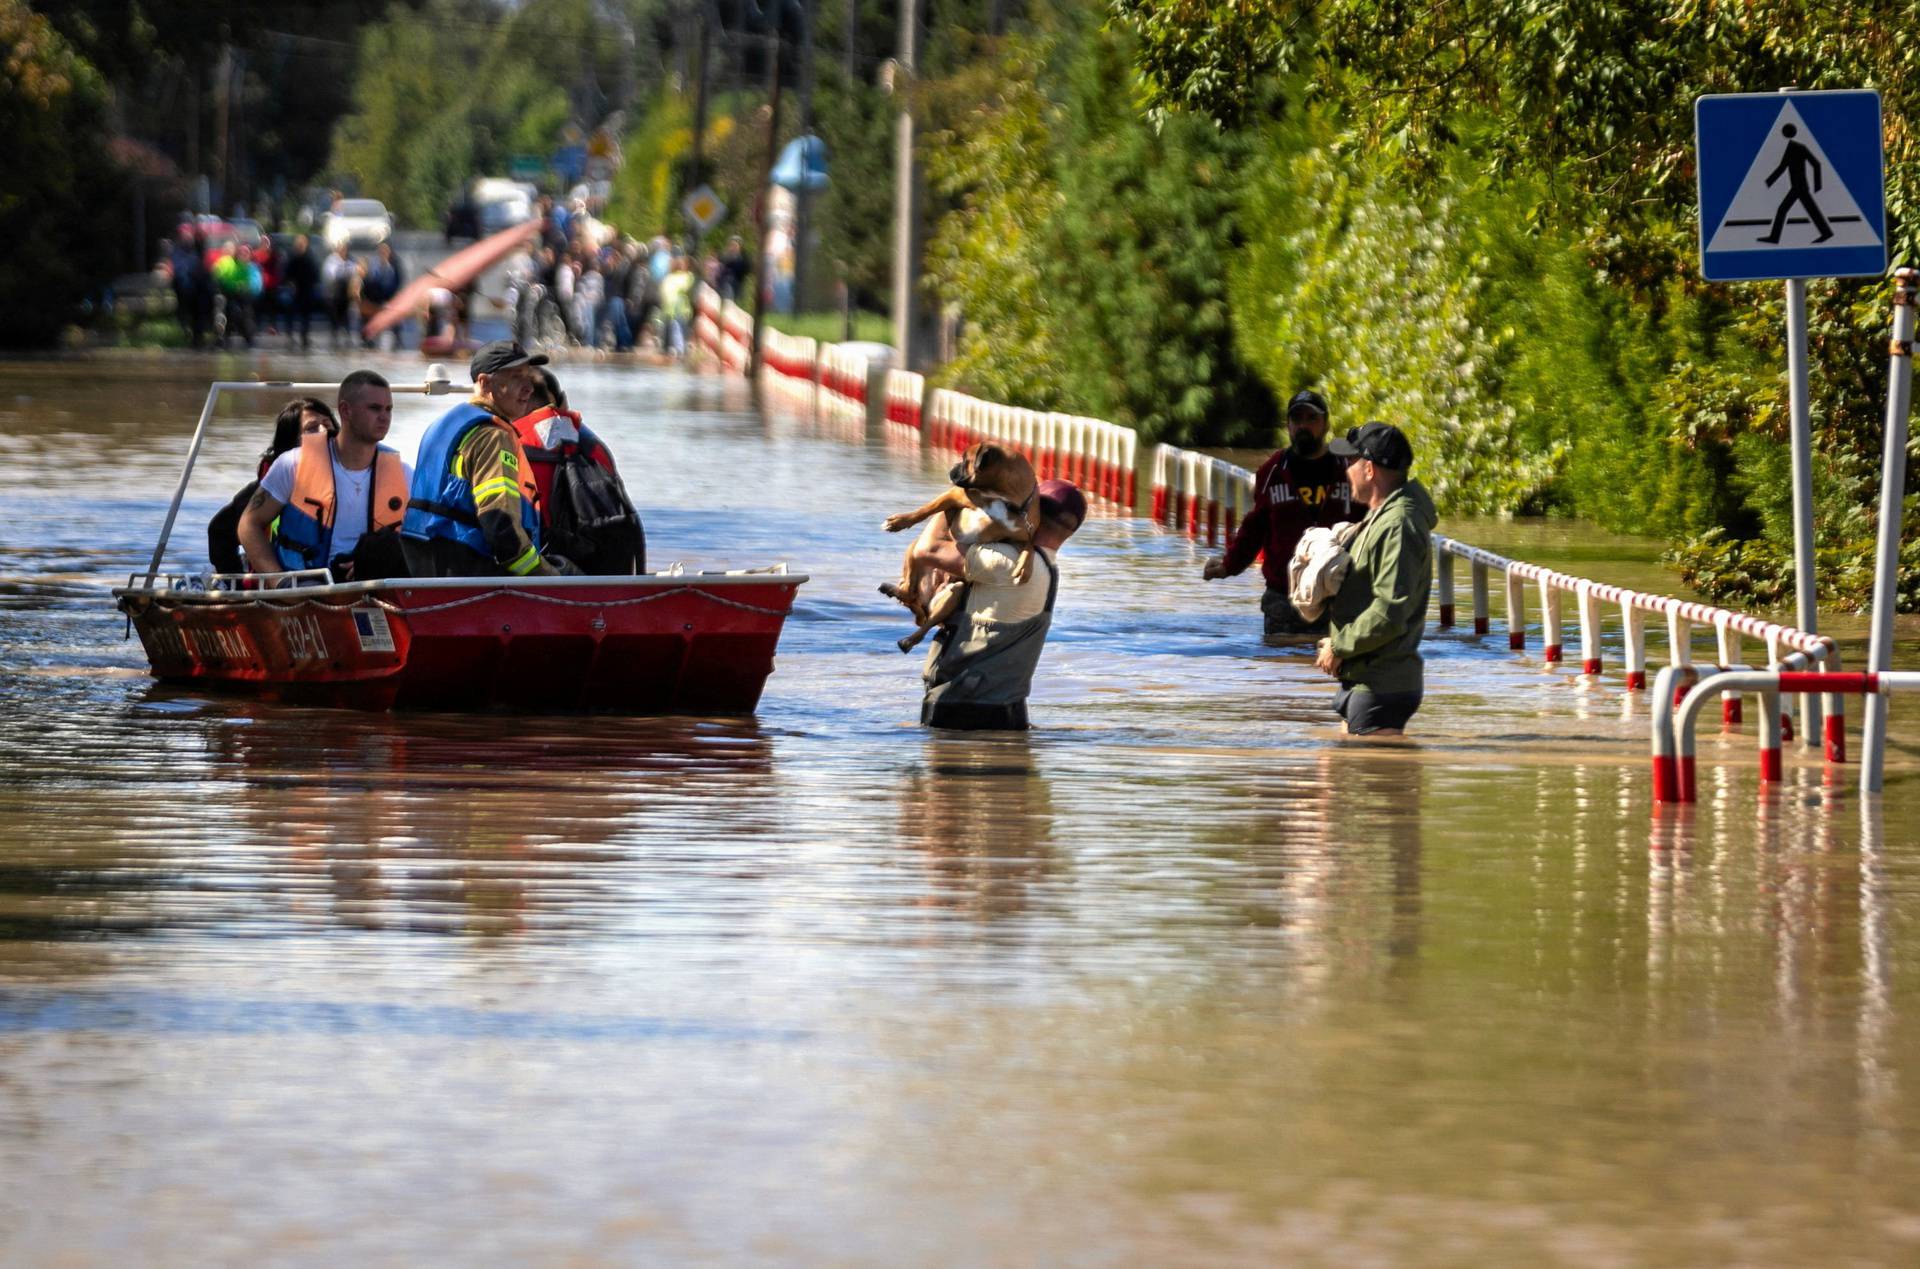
pixel 700 643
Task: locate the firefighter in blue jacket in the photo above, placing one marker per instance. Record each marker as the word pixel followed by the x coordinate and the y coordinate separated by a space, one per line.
pixel 473 510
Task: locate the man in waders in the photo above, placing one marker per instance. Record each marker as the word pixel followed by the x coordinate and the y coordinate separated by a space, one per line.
pixel 1300 487
pixel 980 670
pixel 1380 612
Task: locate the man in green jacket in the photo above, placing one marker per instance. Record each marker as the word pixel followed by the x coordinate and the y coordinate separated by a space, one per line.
pixel 1377 617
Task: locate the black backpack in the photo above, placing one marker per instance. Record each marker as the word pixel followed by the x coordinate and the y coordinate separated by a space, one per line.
pixel 593 523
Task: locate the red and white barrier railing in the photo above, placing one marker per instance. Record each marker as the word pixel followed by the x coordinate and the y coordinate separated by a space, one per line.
pixel 1680 616
pixel 1673 730
pixel 706 321
pixel 787 365
pixel 736 336
pixel 1199 495
pixel 905 390
pixel 843 380
pixel 1096 455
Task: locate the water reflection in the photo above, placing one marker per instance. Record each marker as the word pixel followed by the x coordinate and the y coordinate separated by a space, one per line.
pixel 1178 976
pixel 981 814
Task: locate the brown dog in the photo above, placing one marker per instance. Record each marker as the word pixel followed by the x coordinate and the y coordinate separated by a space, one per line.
pixel 994 498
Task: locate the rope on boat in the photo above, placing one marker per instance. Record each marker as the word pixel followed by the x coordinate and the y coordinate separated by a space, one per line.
pixel 567 603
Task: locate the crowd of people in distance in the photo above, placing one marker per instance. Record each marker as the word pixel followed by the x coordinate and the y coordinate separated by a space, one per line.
pixel 581 283
pixel 508 483
pixel 227 290
pixel 585 284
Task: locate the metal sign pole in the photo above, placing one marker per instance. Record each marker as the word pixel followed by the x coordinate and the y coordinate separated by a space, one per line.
pixel 1893 483
pixel 1807 612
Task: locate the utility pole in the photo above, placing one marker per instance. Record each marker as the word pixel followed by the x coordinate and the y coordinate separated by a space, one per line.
pixel 698 175
pixel 803 196
pixel 906 212
pixel 763 284
pixel 223 109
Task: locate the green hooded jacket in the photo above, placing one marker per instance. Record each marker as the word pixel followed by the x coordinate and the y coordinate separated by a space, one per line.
pixel 1380 612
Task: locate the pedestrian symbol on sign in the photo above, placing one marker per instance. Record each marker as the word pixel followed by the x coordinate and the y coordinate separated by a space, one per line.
pixel 1793 165
pixel 1784 201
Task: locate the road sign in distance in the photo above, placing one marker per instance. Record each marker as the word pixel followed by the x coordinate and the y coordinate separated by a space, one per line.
pixel 704 208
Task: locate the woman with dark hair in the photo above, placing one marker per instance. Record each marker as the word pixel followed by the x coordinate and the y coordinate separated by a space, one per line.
pixel 297 418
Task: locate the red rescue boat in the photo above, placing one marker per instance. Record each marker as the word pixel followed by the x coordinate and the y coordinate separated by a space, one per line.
pixel 657 643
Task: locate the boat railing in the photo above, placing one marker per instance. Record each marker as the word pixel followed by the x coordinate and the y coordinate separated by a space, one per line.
pixel 218 583
pixel 437 384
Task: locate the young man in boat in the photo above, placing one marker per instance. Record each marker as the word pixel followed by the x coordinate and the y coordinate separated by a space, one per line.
pixel 474 506
pixel 338 499
pixel 585 514
pixel 980 671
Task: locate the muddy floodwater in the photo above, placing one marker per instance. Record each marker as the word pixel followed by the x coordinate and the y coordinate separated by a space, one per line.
pixel 1178 978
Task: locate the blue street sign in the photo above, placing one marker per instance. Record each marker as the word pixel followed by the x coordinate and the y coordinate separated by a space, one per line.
pixel 1792 185
pixel 570 163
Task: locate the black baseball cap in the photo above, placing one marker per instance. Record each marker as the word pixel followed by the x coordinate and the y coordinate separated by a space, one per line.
pixel 1310 399
pixel 1381 444
pixel 502 354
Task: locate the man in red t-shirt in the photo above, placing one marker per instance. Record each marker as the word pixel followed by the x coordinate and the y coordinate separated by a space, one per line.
pixel 1299 487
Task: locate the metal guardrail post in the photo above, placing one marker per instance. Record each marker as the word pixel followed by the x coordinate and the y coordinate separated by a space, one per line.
pixel 1482 608
pixel 1550 623
pixel 1633 622
pixel 1668 783
pixel 1729 651
pixel 1443 560
pixel 1893 482
pixel 1589 605
pixel 1516 611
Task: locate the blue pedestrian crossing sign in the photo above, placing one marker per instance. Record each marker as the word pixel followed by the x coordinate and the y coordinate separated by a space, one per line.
pixel 1792 185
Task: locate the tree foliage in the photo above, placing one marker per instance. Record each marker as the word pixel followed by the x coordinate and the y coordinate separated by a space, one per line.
pixel 454 89
pixel 59 188
pixel 1549 143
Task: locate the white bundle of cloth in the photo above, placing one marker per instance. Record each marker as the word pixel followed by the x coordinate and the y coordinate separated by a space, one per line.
pixel 1318 566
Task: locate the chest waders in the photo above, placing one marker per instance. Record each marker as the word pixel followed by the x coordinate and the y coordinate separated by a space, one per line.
pixel 978 674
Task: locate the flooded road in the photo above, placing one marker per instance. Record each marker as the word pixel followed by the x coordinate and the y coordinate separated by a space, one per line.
pixel 1177 978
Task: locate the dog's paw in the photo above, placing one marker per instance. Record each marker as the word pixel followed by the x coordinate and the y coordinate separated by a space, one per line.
pixel 907 643
pixel 893 524
pixel 1022 571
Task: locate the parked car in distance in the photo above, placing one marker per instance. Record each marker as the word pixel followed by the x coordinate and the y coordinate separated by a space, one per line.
pixel 248 233
pixel 358 222
pixel 502 204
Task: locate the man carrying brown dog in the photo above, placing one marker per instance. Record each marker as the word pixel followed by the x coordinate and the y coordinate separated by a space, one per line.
pixel 980 670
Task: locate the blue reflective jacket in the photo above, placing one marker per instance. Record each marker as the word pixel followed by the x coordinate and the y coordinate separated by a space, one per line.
pixel 441 503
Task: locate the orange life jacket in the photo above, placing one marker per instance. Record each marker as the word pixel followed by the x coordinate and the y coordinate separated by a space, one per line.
pixel 305 536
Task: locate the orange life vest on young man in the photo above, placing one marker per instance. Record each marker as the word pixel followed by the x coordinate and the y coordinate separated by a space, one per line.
pixel 304 538
pixel 543 454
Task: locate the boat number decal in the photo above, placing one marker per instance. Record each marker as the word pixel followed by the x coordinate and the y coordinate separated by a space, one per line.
pixel 203 644
pixel 371 625
pixel 305 642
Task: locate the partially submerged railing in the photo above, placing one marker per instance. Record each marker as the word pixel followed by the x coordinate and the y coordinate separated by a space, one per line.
pixel 1673 730
pixel 1099 456
pixel 1199 494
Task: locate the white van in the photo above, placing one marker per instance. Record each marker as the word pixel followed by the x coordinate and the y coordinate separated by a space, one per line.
pixel 501 203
